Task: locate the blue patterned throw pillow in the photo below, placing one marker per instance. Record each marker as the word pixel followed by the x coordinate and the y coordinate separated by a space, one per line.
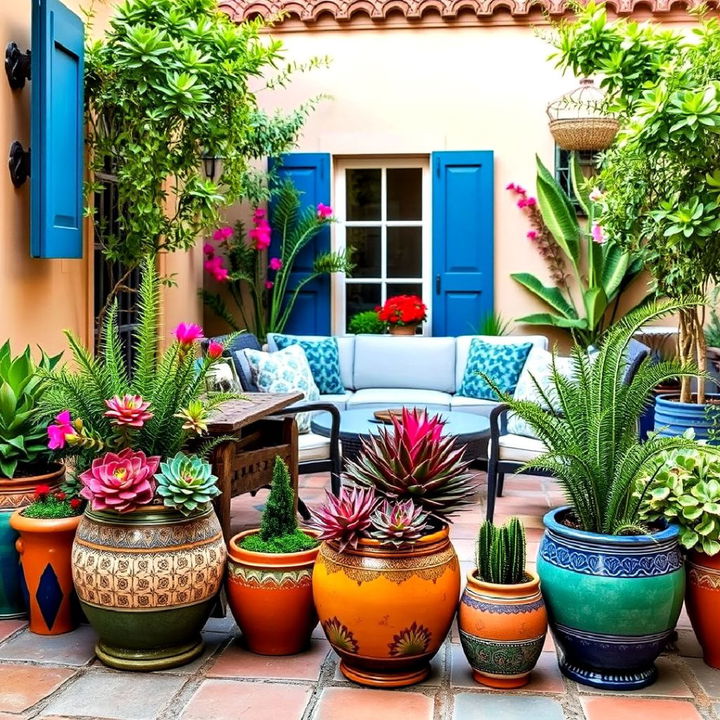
pixel 324 361
pixel 501 362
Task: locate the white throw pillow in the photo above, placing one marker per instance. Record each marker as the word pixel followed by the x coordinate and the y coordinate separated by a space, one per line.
pixel 539 366
pixel 285 371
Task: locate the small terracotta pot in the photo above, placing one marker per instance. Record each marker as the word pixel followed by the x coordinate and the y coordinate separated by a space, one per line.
pixel 403 329
pixel 270 595
pixel 45 548
pixel 502 630
pixel 702 597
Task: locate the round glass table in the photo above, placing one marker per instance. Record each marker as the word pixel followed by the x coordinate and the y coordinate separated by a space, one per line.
pixel 468 429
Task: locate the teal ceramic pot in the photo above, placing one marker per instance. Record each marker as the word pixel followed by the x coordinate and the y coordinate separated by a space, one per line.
pixel 612 601
pixel 147 581
pixel 673 418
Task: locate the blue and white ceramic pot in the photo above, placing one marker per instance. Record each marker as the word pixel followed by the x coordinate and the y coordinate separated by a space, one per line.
pixel 673 417
pixel 612 600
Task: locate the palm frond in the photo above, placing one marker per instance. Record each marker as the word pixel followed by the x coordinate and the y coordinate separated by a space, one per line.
pixel 112 349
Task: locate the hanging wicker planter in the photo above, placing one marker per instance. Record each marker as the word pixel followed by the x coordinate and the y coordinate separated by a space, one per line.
pixel 578 120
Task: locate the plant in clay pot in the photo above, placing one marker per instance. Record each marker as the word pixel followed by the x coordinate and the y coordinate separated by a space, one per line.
pixel 47 528
pixel 403 314
pixel 269 576
pixel 502 617
pixel 149 503
pixel 387 579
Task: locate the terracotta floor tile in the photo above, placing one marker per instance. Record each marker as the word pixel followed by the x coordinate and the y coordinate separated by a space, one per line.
pixel 484 706
pixel 687 644
pixel 8 627
pixel 22 686
pixel 357 704
pixel 230 700
pixel 632 708
pixel 73 648
pixel 235 661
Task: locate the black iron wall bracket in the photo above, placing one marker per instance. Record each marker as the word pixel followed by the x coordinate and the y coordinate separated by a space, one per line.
pixel 17 66
pixel 19 164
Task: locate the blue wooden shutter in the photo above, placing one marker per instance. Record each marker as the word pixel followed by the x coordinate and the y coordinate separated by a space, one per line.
pixel 57 124
pixel 310 172
pixel 462 240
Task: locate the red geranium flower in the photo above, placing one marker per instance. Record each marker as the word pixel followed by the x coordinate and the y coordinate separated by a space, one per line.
pixel 42 491
pixel 60 496
pixel 403 310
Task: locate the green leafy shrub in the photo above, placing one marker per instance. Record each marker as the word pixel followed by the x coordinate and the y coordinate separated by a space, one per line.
pixel 500 553
pixel 367 323
pixel 48 505
pixel 494 325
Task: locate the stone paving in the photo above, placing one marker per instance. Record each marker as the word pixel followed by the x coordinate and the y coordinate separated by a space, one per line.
pixel 58 677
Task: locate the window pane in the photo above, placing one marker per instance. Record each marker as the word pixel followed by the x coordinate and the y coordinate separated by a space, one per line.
pixel 405 289
pixel 363 194
pixel 364 242
pixel 361 296
pixel 404 252
pixel 404 194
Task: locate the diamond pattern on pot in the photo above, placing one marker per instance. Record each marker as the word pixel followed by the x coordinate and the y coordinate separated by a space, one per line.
pixel 49 596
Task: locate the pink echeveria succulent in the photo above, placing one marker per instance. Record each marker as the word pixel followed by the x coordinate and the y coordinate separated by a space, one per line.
pixel 129 410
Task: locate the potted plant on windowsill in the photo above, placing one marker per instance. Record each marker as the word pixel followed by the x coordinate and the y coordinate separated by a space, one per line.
pixel 269 576
pixel 611 581
pixel 502 617
pixel 387 579
pixel 403 314
pixel 47 528
pixel 148 557
pixel 25 459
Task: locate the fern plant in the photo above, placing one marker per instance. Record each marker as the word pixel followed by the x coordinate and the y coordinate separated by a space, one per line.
pixel 593 447
pixel 500 553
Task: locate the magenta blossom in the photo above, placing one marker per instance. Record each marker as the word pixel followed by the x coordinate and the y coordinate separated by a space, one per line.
pixel 120 481
pixel 532 235
pixel 275 263
pixel 223 233
pixel 597 234
pixel 208 250
pixel 324 211
pixel 269 284
pixel 215 350
pixel 510 186
pixel 258 215
pixel 58 433
pixel 260 236
pixel 531 201
pixel 130 410
pixel 188 333
pixel 215 267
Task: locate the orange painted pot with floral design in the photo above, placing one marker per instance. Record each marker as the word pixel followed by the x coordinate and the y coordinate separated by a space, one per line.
pixel 387 611
pixel 270 595
pixel 502 630
pixel 702 598
pixel 45 548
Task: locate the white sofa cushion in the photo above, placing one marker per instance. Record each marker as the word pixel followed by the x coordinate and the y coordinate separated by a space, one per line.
pixel 381 398
pixel 313 447
pixel 518 448
pixel 339 401
pixel 472 405
pixel 421 363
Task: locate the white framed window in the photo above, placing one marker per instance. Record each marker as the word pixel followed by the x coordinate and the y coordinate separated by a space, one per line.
pixel 383 210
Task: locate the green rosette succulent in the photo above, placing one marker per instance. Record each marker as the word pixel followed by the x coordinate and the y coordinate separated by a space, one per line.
pixel 186 483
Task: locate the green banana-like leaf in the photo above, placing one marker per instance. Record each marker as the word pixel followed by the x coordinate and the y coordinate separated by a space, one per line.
pixel 554 320
pixel 614 270
pixel 596 303
pixel 549 295
pixel 579 186
pixel 558 214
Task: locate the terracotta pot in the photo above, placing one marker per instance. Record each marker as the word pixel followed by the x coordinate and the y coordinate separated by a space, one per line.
pixel 703 602
pixel 270 595
pixel 385 611
pixel 502 630
pixel 147 581
pixel 14 494
pixel 403 329
pixel 45 548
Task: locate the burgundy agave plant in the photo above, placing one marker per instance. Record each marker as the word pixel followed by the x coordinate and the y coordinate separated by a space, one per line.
pixel 346 518
pixel 399 524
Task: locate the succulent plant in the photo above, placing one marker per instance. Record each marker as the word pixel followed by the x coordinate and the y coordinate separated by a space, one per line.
pixel 186 483
pixel 399 523
pixel 413 461
pixel 129 410
pixel 500 553
pixel 120 481
pixel 345 518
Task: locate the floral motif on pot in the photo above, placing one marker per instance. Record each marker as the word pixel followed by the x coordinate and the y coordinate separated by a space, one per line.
pixel 496 657
pixel 493 607
pixel 339 636
pixel 703 577
pixel 413 640
pixel 267 578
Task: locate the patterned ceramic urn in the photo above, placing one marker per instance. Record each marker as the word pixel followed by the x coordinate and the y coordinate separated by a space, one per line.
pixel 386 611
pixel 502 630
pixel 612 600
pixel 703 603
pixel 147 581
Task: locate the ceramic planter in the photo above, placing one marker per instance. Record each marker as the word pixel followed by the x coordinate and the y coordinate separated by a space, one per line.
pixel 673 417
pixel 270 595
pixel 146 581
pixel 703 602
pixel 385 611
pixel 502 630
pixel 14 494
pixel 403 329
pixel 612 600
pixel 45 548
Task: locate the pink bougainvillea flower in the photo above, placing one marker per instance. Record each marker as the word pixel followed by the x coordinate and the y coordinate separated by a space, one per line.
pixel 324 211
pixel 522 202
pixel 208 250
pixel 520 190
pixel 223 233
pixel 215 267
pixel 260 236
pixel 275 263
pixel 597 234
pixel 529 202
pixel 215 350
pixel 259 214
pixel 188 333
pixel 596 195
pixel 532 234
pixel 60 431
pixel 510 186
pixel 130 410
pixel 120 481
pixel 269 284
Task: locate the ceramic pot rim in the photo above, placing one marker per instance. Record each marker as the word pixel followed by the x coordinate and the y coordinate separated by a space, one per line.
pixel 671 532
pixel 670 398
pixel 509 590
pixel 159 513
pixel 259 559
pixel 19 522
pixel 13 484
pixel 425 545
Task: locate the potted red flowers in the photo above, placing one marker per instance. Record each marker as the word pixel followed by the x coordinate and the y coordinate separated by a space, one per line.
pixel 403 314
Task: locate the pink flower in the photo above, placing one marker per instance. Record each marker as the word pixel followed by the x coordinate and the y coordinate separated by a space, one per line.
pixel 522 202
pixel 597 234
pixel 596 195
pixel 530 201
pixel 269 284
pixel 520 190
pixel 223 233
pixel 215 350
pixel 275 263
pixel 59 433
pixel 510 186
pixel 188 333
pixel 532 235
pixel 208 250
pixel 260 236
pixel 324 211
pixel 130 410
pixel 216 268
pixel 259 214
pixel 120 482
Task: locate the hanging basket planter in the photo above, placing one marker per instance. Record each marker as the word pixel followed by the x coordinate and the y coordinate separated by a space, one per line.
pixel 578 120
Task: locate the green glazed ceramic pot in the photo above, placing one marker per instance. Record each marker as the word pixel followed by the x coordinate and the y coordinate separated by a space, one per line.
pixel 147 581
pixel 612 600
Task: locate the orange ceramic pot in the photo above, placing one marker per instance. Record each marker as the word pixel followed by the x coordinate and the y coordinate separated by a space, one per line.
pixel 502 630
pixel 702 597
pixel 45 548
pixel 403 329
pixel 270 595
pixel 386 611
